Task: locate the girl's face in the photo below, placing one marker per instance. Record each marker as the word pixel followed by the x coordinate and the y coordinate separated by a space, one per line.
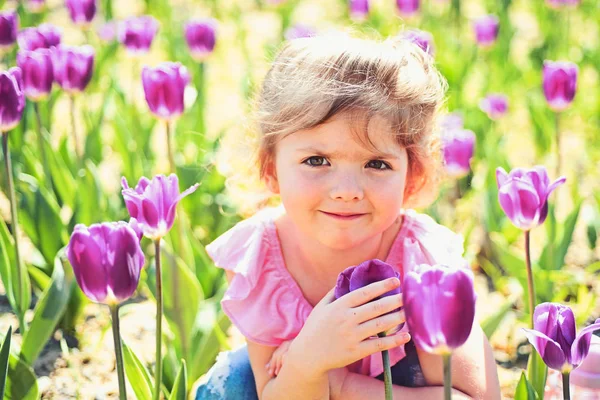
pixel 336 190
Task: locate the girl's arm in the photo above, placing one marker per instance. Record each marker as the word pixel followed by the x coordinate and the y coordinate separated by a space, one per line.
pixel 474 375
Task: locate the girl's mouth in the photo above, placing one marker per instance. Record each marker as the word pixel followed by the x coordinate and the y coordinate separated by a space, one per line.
pixel 343 217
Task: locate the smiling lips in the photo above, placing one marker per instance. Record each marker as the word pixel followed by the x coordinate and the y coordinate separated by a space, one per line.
pixel 343 216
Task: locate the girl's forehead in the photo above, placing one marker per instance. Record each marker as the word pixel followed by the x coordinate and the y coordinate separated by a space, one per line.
pixel 347 133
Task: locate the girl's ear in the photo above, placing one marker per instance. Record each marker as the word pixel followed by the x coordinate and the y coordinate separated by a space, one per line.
pixel 271 178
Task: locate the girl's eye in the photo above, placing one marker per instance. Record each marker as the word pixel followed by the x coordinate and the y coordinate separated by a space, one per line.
pixel 378 164
pixel 315 161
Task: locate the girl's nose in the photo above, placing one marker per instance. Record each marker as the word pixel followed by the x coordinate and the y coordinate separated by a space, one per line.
pixel 347 188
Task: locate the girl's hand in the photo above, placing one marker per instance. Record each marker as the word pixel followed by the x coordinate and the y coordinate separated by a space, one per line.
pixel 274 366
pixel 338 333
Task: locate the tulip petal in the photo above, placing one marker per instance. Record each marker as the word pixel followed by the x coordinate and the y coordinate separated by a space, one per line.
pixel 173 207
pixel 458 309
pixel 520 201
pixel 86 257
pixel 342 285
pixel 127 259
pixel 545 316
pixel 549 350
pixel 372 271
pixel 501 177
pixel 581 345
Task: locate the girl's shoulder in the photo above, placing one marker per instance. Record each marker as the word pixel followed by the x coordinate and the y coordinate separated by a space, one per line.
pixel 262 300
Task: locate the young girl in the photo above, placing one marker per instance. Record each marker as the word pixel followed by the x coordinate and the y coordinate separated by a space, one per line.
pixel 346 142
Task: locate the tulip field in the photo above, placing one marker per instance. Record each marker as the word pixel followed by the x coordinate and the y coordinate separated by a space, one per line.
pixel 124 124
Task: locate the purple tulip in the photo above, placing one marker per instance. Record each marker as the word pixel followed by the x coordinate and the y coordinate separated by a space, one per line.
pixel 38 76
pixel 408 8
pixel 459 146
pixel 164 87
pixel 422 39
pixel 299 31
pixel 523 195
pixel 44 36
pixel 359 9
pixel 73 67
pixel 452 120
pixel 36 6
pixel 486 30
pixel 553 336
pixel 137 33
pixel 560 83
pixel 106 260
pixel 12 99
pixel 356 277
pixel 439 302
pixel 201 37
pixel 495 105
pixel 9 26
pixel 153 203
pixel 82 12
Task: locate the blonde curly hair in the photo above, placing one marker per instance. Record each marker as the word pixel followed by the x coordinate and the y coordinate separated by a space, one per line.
pixel 312 79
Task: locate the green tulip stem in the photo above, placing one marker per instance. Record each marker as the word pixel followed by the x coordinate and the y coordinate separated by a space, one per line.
pixel 447 377
pixel 529 279
pixel 159 311
pixel 14 231
pixel 387 372
pixel 201 99
pixel 114 312
pixel 557 133
pixel 74 131
pixel 566 388
pixel 40 129
pixel 170 148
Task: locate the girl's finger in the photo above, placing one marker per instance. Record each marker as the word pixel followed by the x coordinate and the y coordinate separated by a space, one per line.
pixel 381 324
pixel 376 308
pixel 377 345
pixel 361 296
pixel 328 298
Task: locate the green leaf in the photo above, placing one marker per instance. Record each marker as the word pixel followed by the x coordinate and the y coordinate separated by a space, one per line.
pixel 524 389
pixel 179 391
pixel 21 382
pixel 137 375
pixel 182 295
pixel 492 322
pixel 7 251
pixel 537 372
pixel 4 355
pixel 48 312
pixel 553 255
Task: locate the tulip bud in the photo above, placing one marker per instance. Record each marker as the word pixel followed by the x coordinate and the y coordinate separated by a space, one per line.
pixel 201 37
pixel 553 336
pixel 439 303
pixel 486 30
pixel 299 31
pixel 9 25
pixel 495 105
pixel 153 203
pixel 560 83
pixel 408 8
pixel 459 146
pixel 164 87
pixel 12 99
pixel 359 9
pixel 137 33
pixel 523 195
pixel 36 6
pixel 82 12
pixel 73 67
pixel 44 36
pixel 36 67
pixel 557 4
pixel 422 39
pixel 107 260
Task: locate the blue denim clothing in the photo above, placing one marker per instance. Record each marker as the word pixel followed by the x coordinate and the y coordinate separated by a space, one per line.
pixel 231 377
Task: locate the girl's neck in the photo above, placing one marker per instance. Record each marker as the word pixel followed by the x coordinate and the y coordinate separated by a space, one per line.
pixel 323 264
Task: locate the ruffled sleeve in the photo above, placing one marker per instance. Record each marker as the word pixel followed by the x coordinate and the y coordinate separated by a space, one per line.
pixel 260 300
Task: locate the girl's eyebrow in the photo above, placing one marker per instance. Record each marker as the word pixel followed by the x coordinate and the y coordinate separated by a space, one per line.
pixel 340 154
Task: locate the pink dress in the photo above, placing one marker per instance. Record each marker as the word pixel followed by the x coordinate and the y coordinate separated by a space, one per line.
pixel 266 304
